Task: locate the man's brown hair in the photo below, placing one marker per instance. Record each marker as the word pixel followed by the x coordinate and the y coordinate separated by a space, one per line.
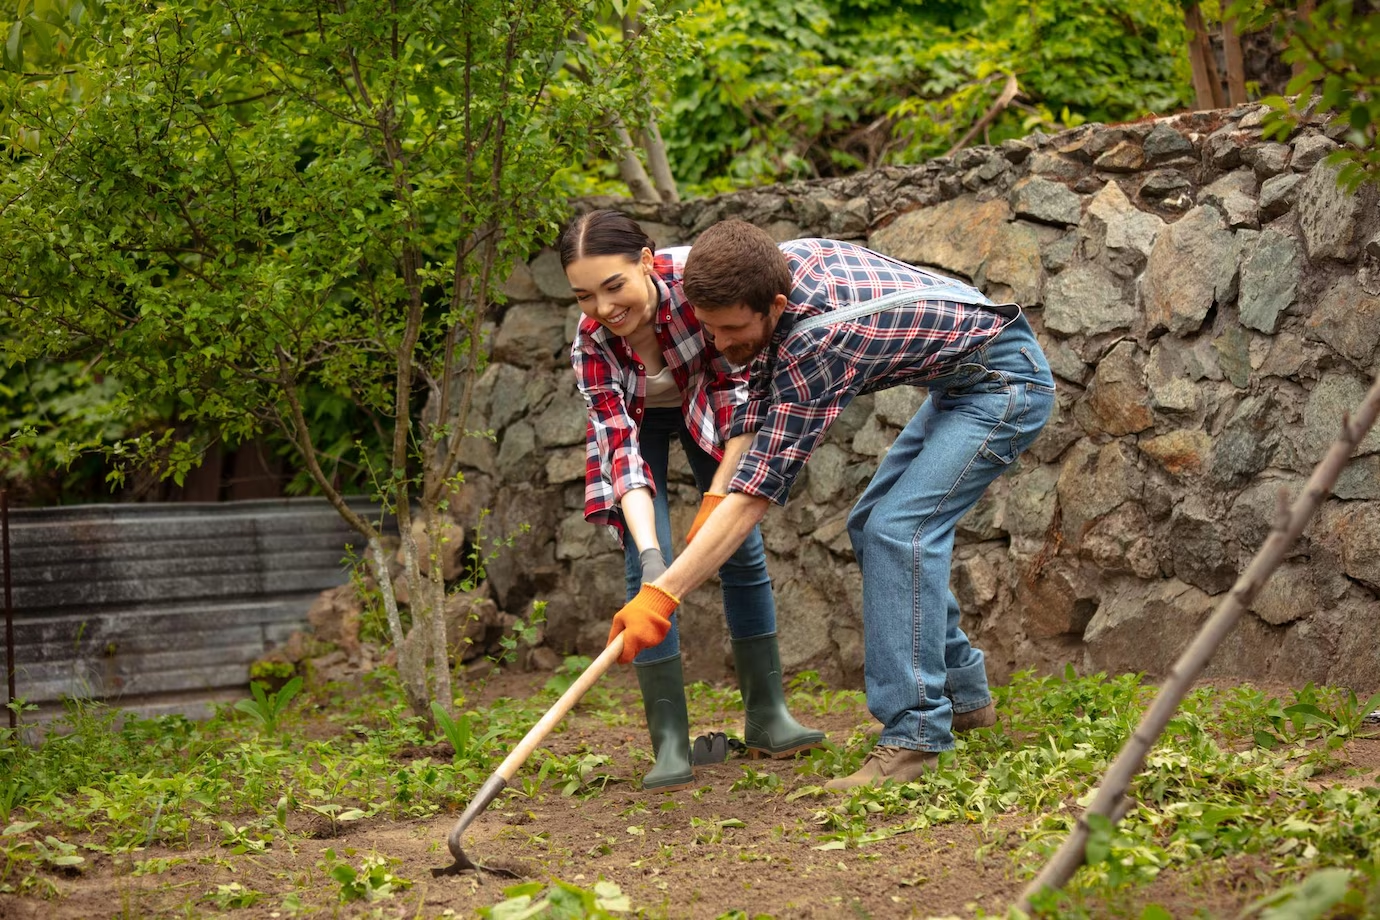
pixel 734 263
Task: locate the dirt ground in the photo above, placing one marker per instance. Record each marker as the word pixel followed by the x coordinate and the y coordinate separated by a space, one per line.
pixel 667 851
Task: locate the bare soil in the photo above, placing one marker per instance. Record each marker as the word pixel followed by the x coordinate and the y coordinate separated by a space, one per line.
pixel 659 848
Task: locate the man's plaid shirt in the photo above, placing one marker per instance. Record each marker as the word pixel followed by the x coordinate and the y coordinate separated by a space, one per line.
pixel 801 382
pixel 614 384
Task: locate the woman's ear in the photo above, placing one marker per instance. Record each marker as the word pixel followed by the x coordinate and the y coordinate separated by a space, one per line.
pixel 648 260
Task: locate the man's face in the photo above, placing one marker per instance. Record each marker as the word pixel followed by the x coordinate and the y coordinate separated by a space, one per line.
pixel 738 332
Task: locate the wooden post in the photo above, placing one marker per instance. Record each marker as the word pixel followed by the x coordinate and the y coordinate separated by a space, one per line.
pixel 1198 56
pixel 1236 68
pixel 1305 10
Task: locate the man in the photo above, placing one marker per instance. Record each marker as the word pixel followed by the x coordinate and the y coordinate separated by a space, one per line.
pixel 819 322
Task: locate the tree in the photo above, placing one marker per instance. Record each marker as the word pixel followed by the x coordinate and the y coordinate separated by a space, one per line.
pixel 1334 47
pixel 239 209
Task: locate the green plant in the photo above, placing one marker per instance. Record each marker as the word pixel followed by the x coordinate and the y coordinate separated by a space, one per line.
pixel 233 896
pixel 751 780
pixel 372 881
pixel 268 708
pixel 460 733
pixel 561 900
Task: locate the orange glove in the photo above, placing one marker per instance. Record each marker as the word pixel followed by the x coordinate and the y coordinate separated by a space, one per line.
pixel 644 621
pixel 707 505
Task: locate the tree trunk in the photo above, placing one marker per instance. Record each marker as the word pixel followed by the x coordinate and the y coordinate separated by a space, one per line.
pixel 630 167
pixel 1306 8
pixel 1111 798
pixel 655 148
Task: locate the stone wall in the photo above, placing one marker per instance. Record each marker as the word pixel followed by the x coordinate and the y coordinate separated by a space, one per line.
pixel 1209 304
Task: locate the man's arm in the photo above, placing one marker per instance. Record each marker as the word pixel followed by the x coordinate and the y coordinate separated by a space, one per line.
pixel 734 449
pixel 720 536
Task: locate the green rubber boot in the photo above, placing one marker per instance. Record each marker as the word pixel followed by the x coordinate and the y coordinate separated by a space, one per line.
pixel 769 730
pixel 663 700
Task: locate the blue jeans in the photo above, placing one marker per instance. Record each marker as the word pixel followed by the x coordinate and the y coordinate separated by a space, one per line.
pixel 748 604
pixel 982 412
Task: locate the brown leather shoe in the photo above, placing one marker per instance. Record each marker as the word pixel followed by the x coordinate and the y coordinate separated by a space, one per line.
pixel 887 764
pixel 985 717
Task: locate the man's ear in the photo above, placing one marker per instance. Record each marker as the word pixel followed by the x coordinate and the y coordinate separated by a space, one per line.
pixel 778 306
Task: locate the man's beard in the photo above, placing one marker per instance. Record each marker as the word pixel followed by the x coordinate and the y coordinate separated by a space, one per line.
pixel 744 352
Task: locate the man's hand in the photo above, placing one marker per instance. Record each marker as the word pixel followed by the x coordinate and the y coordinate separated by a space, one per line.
pixel 710 501
pixel 653 564
pixel 644 621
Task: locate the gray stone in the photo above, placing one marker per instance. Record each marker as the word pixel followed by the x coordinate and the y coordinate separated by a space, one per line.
pixel 1198 548
pixel 896 406
pixel 956 236
pixel 1167 378
pixel 1054 166
pixel 1126 156
pixel 1240 453
pixel 1270 273
pixel 1163 143
pixel 550 277
pixel 573 539
pixel 1331 219
pixel 808 637
pixel 980 523
pixel 1269 159
pixel 565 465
pixel 520 284
pixel 1192 267
pixel 1086 300
pixel 1289 595
pixel 1278 194
pixel 1289 356
pixel 873 440
pixel 1348 319
pixel 783 231
pixel 1310 150
pixel 1145 627
pixel 1360 481
pixel 1354 662
pixel 1064 362
pixel 1254 511
pixel 852 219
pixel 1124 226
pixel 826 473
pixel 1255 118
pixel 1117 401
pixel 1012 271
pixel 1335 394
pixel 1059 254
pixel 1233 355
pixel 532 335
pixel 1234 195
pixel 1167 188
pixel 1030 503
pixel 563 421
pixel 1358 529
pixel 1045 201
pixel 506 387
pixel 517 451
pixel 1222 149
pixel 1093 482
pixel 479 453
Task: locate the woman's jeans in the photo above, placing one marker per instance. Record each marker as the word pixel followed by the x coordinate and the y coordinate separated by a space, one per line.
pixel 748 605
pixel 982 412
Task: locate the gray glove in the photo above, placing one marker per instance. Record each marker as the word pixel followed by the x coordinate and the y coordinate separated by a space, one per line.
pixel 653 566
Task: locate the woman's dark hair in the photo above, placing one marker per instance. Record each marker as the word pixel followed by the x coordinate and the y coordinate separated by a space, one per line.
pixel 602 233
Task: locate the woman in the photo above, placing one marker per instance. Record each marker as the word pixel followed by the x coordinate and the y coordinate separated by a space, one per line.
pixel 649 377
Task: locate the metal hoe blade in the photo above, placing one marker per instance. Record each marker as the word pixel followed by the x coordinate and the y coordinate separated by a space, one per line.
pixel 487 792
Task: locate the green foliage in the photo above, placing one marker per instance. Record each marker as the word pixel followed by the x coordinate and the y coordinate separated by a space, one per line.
pixel 372 881
pixel 559 901
pixel 459 731
pixel 786 89
pixel 1336 48
pixel 267 708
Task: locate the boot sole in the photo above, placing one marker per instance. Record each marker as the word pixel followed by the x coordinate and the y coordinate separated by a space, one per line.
pixel 764 754
pixel 674 787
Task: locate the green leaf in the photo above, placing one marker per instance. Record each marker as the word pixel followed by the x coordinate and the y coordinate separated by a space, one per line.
pixel 14 48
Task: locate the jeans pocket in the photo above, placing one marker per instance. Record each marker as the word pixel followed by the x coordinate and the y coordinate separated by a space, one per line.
pixel 1028 407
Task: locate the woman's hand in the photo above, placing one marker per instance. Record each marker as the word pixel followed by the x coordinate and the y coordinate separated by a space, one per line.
pixel 644 621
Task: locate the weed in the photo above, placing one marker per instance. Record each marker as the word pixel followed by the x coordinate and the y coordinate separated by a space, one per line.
pixel 233 896
pixel 267 708
pixel 604 901
pixel 372 881
pixel 752 780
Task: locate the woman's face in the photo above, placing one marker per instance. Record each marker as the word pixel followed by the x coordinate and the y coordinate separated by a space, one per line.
pixel 615 291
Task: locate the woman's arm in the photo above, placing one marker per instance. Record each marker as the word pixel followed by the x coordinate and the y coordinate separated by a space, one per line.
pixel 639 516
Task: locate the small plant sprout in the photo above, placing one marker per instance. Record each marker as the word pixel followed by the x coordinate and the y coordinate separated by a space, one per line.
pixel 268 708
